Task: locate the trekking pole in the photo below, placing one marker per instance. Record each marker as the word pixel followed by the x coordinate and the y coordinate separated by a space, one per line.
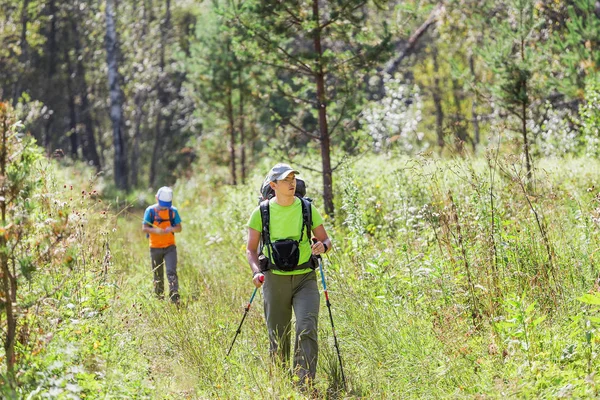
pixel 335 341
pixel 239 329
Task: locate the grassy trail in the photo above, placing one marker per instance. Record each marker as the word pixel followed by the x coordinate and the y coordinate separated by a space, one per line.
pixel 436 291
pixel 435 294
pixel 185 348
pixel 387 349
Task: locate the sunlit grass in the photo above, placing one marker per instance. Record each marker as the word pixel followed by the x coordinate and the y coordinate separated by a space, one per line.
pixel 436 291
pixel 413 319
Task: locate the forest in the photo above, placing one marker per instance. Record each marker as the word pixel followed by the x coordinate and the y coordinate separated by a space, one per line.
pixel 451 147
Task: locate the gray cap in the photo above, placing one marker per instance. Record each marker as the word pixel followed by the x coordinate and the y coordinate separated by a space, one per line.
pixel 279 172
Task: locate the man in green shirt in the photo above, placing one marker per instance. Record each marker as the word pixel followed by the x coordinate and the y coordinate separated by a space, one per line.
pixel 292 288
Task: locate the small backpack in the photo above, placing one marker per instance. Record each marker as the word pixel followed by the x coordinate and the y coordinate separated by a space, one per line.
pixel 156 219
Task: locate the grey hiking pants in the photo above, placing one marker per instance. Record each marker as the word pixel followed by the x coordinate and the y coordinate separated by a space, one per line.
pixel 162 257
pixel 282 294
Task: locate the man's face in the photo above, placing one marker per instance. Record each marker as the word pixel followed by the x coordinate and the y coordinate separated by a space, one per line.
pixel 287 184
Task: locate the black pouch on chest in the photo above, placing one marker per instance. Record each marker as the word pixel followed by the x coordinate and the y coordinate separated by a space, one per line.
pixel 286 253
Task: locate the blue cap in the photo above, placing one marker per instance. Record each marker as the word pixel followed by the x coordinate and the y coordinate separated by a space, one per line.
pixel 165 196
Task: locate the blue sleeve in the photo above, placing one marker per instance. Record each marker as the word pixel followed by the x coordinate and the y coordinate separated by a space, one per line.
pixel 147 219
pixel 177 218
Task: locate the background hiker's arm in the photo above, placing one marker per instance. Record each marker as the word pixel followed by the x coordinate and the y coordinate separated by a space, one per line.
pixel 174 229
pixel 147 229
pixel 152 229
pixel 322 239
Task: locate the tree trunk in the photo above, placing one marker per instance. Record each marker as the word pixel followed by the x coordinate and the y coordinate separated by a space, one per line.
pixel 164 32
pixel 403 49
pixel 139 112
pixel 8 284
pixel 437 102
pixel 24 52
pixel 231 128
pixel 322 104
pixel 73 135
pixel 47 132
pixel 241 118
pixel 474 114
pixel 51 42
pixel 90 152
pixel 525 138
pixel 524 106
pixel 160 134
pixel 116 100
pixel 155 150
pixel 51 50
pixel 459 129
pixel 101 146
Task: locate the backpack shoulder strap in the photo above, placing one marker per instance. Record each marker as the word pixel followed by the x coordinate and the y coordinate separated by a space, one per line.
pixel 306 217
pixel 155 216
pixel 152 216
pixel 172 216
pixel 265 218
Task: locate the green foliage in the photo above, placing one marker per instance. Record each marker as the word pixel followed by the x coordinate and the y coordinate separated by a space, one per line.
pixel 448 278
pixel 55 241
pixel 393 122
pixel 520 326
pixel 226 89
pixel 401 297
pixel 513 52
pixel 81 356
pixel 283 37
pixel 576 47
pixel 589 112
pixel 398 283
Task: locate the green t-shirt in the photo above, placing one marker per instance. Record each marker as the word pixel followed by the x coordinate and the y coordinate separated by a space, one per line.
pixel 286 223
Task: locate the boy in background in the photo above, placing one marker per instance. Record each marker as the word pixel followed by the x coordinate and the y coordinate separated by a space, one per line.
pixel 161 222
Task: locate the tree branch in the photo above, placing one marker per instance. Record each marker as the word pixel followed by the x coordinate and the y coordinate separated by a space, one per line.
pixel 337 122
pixel 295 19
pixel 303 131
pixel 314 104
pixel 265 39
pixel 393 64
pixel 342 12
pixel 288 122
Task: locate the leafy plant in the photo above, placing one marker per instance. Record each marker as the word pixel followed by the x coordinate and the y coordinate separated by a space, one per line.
pixel 520 325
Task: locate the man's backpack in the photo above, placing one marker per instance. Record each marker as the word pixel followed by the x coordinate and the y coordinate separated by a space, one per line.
pixel 267 194
pixel 155 218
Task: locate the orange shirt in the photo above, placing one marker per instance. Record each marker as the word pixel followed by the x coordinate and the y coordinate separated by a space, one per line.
pixel 161 220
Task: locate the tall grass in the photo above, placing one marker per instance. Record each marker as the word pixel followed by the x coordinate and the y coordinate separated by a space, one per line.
pixel 444 284
pixel 449 279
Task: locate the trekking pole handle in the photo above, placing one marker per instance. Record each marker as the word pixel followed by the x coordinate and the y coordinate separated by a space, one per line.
pixel 261 279
pixel 315 240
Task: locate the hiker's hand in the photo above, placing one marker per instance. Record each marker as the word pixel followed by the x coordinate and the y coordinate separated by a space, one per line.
pixel 159 231
pixel 258 279
pixel 168 229
pixel 317 248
